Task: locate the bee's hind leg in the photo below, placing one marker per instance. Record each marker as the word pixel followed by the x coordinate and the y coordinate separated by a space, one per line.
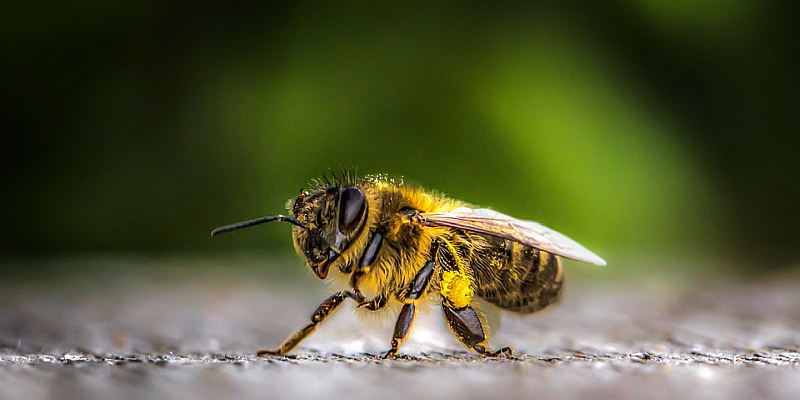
pixel 457 292
pixel 467 327
pixel 320 314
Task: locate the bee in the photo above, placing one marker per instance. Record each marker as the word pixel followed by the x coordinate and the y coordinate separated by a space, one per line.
pixel 407 245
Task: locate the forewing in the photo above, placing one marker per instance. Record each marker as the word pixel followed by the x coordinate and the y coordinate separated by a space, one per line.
pixel 534 234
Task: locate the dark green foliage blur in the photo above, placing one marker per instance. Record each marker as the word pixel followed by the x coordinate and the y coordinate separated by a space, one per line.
pixel 636 127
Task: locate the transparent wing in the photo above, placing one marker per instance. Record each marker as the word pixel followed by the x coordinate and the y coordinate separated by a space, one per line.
pixel 482 220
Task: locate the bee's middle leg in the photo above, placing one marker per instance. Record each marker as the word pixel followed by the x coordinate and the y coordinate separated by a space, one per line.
pixel 320 314
pixel 406 317
pixel 401 329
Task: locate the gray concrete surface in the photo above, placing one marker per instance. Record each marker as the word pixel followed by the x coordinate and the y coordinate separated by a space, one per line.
pixel 189 328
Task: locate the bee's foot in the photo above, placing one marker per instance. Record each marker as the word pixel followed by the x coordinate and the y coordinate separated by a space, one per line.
pixel 389 355
pixel 504 352
pixel 269 353
pixel 374 304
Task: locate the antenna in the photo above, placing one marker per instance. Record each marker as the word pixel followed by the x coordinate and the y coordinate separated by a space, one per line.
pixel 257 221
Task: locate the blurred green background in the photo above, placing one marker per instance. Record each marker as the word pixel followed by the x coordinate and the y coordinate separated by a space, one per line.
pixel 641 128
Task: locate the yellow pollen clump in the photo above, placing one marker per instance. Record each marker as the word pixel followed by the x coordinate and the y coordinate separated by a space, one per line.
pixel 456 288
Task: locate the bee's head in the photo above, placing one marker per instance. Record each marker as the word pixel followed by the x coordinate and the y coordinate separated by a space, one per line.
pixel 332 217
pixel 326 222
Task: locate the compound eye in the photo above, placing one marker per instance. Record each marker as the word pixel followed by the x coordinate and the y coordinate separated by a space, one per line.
pixel 352 207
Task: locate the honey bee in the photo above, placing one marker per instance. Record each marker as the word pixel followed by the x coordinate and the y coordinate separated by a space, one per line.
pixel 407 245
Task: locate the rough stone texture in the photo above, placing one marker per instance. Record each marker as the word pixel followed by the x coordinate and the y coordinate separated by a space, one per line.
pixel 143 328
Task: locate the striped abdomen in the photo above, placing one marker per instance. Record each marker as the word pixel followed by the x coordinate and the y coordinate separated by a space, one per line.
pixel 514 276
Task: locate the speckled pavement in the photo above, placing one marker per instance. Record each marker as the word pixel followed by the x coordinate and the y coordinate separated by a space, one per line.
pixel 136 327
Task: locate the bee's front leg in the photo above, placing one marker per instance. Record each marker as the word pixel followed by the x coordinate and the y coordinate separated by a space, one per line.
pixel 320 314
pixel 363 267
